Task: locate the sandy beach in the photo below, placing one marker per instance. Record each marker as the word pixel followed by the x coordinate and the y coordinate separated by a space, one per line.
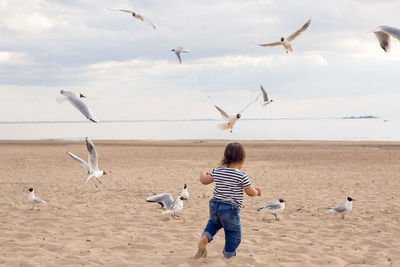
pixel 113 225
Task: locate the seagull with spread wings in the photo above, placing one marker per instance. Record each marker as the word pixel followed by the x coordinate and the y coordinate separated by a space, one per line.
pixel 178 52
pixel 286 42
pixel 265 97
pixel 93 167
pixel 383 34
pixel 135 15
pixel 74 99
pixel 230 119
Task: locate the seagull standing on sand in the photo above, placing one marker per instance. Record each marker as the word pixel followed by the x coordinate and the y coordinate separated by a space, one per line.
pixel 343 208
pixel 74 99
pixel 34 199
pixel 178 52
pixel 135 15
pixel 265 97
pixel 286 42
pixel 231 119
pixel 274 207
pixel 383 34
pixel 92 168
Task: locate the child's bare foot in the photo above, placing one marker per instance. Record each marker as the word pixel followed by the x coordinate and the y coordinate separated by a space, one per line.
pixel 202 251
pixel 200 254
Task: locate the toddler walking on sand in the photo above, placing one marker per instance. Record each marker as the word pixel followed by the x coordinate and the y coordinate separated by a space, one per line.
pixel 225 205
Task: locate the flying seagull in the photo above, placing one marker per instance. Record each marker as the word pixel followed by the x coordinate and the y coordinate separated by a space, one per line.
pixel 135 15
pixel 343 208
pixel 34 199
pixel 383 34
pixel 74 99
pixel 230 119
pixel 92 168
pixel 274 207
pixel 265 96
pixel 178 52
pixel 286 42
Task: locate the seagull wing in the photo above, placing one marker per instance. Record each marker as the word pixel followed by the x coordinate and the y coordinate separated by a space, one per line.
pixel 148 22
pixel 76 102
pixel 271 206
pixel 178 54
pixel 252 102
pixel 123 10
pixel 164 199
pixel 223 113
pixel 80 161
pixel 270 44
pixel 265 96
pixel 341 208
pixel 297 33
pixel 384 40
pixel 394 32
pixel 93 157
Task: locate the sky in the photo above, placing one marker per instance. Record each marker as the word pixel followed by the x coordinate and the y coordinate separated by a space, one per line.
pixel 128 71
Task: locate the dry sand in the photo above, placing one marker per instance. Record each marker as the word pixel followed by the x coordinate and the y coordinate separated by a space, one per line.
pixel 113 225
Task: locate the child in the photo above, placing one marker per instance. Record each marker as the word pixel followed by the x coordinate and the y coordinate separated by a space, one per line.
pixel 227 200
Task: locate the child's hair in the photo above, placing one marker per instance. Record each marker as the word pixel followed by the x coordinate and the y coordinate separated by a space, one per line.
pixel 234 153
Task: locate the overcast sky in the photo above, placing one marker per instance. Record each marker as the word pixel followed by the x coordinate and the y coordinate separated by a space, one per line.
pixel 128 71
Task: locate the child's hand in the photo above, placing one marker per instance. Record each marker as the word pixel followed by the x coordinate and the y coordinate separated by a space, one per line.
pixel 258 191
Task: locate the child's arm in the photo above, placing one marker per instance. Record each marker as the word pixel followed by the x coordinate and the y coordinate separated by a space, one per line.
pixel 252 192
pixel 205 178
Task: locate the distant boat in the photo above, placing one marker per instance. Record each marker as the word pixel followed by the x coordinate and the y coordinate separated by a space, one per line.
pixel 361 117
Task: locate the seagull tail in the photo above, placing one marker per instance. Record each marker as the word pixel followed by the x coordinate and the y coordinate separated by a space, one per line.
pixel 167 212
pixel 224 126
pixel 331 209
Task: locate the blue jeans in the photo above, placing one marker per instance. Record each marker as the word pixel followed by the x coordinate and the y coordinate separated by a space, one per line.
pixel 225 215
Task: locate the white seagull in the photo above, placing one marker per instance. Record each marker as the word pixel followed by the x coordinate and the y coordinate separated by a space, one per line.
pixel 178 52
pixel 343 208
pixel 92 168
pixel 135 15
pixel 231 119
pixel 166 200
pixel 286 42
pixel 383 34
pixel 76 102
pixel 274 207
pixel 265 97
pixel 34 199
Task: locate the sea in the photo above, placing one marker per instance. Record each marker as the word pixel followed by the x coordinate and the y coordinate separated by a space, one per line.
pixel 334 129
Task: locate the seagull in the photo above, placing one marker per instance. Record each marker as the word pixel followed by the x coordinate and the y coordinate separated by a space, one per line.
pixel 135 15
pixel 231 119
pixel 286 42
pixel 265 96
pixel 92 168
pixel 185 193
pixel 166 200
pixel 274 207
pixel 383 35
pixel 343 208
pixel 176 206
pixel 34 199
pixel 76 102
pixel 178 52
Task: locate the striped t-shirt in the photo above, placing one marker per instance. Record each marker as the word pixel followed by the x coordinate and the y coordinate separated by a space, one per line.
pixel 229 184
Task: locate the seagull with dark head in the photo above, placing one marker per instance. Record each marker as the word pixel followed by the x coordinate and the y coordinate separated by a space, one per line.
pixel 34 199
pixel 274 207
pixel 286 43
pixel 92 168
pixel 135 15
pixel 348 206
pixel 74 99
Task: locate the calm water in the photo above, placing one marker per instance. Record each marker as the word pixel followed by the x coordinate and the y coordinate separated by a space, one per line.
pixel 269 129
